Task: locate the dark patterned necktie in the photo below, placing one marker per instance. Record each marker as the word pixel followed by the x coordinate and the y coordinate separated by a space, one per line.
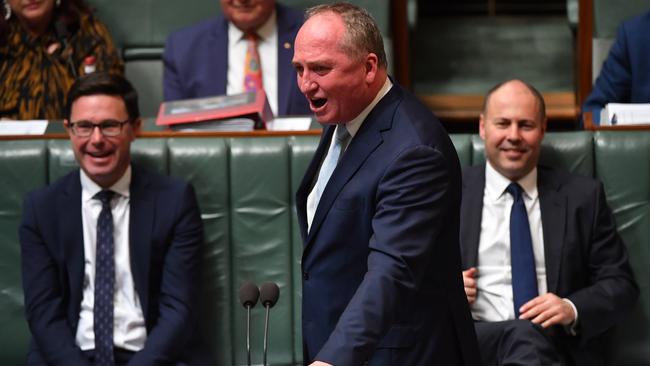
pixel 104 283
pixel 522 259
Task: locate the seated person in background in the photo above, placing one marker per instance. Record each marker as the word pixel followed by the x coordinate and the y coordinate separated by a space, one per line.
pixel 110 253
pixel 625 76
pixel 43 45
pixel 223 55
pixel 546 274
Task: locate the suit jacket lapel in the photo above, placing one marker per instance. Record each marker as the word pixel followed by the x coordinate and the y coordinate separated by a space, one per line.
pixel 309 179
pixel 552 204
pixel 471 212
pixel 366 140
pixel 142 213
pixel 72 238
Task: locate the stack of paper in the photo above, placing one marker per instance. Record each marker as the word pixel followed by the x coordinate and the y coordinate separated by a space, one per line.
pixel 625 114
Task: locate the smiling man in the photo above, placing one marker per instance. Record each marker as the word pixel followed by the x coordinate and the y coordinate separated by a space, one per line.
pixel 250 46
pixel 378 209
pixel 546 274
pixel 110 253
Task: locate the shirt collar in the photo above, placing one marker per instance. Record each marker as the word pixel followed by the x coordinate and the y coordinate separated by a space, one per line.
pixel 264 32
pixel 89 188
pixel 354 125
pixel 496 184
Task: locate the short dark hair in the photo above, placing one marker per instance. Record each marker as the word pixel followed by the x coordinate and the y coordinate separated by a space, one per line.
pixel 361 31
pixel 103 83
pixel 532 89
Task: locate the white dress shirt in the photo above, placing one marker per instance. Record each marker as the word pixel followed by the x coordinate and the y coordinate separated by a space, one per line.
pixel 494 280
pixel 267 48
pixel 352 127
pixel 129 331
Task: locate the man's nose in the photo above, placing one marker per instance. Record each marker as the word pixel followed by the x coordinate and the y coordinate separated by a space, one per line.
pixel 514 133
pixel 96 135
pixel 306 85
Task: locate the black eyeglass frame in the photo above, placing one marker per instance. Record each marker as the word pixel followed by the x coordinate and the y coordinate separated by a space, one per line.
pixel 103 125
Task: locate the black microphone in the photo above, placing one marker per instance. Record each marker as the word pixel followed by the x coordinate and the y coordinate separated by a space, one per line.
pixel 61 30
pixel 270 292
pixel 248 295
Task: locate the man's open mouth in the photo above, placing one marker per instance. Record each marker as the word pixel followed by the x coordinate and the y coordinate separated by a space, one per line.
pixel 318 102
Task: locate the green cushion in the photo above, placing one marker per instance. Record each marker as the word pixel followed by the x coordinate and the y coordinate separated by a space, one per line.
pixel 622 165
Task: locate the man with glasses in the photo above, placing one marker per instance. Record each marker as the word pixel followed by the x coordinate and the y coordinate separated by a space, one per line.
pixel 110 253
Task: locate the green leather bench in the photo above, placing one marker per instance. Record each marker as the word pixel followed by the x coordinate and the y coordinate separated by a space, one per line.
pixel 246 186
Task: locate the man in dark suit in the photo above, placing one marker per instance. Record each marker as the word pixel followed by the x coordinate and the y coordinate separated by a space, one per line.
pixel 207 59
pixel 110 253
pixel 381 257
pixel 625 76
pixel 546 274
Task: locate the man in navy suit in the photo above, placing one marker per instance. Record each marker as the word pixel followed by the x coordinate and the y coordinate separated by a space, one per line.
pixel 110 253
pixel 381 256
pixel 207 59
pixel 625 76
pixel 581 279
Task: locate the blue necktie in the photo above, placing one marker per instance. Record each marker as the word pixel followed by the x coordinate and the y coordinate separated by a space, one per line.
pixel 522 259
pixel 104 283
pixel 329 164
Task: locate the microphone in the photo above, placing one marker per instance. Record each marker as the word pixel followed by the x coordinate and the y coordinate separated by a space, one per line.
pixel 248 295
pixel 61 30
pixel 270 292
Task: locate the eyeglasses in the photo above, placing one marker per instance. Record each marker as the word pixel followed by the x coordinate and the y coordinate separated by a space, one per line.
pixel 109 127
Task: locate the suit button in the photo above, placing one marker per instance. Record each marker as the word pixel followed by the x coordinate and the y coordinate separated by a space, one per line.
pixel 305 276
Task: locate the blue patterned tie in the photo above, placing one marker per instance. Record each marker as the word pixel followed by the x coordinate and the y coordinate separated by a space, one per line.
pixel 522 259
pixel 104 283
pixel 329 164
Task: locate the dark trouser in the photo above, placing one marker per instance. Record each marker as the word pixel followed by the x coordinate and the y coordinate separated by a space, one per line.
pixel 516 342
pixel 122 356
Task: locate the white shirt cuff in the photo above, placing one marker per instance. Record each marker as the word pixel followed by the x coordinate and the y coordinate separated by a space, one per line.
pixel 572 328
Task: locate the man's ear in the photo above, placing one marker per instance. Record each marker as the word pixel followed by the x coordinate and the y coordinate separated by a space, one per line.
pixel 481 126
pixel 137 126
pixel 371 65
pixel 66 125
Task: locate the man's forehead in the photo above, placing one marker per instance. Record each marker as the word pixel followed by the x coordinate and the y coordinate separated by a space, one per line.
pixel 99 103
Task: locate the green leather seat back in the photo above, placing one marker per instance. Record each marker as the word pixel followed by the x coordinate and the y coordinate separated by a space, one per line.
pixel 463 145
pixel 260 191
pixel 23 167
pixel 302 150
pixel 204 163
pixel 623 166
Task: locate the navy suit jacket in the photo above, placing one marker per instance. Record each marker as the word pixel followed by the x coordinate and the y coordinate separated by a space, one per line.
pixel 196 62
pixel 625 76
pixel 586 260
pixel 380 263
pixel 165 237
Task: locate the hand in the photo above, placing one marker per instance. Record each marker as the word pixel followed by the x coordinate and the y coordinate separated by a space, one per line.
pixel 547 310
pixel 469 282
pixel 319 363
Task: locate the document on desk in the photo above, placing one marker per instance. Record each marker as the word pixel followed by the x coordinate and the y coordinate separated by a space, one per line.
pixel 622 114
pixel 289 124
pixel 28 127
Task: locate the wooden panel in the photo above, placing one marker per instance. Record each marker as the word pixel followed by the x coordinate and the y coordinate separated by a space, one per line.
pixel 463 107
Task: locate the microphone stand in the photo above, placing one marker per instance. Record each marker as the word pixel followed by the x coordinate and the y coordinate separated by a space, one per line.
pixel 266 330
pixel 248 333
